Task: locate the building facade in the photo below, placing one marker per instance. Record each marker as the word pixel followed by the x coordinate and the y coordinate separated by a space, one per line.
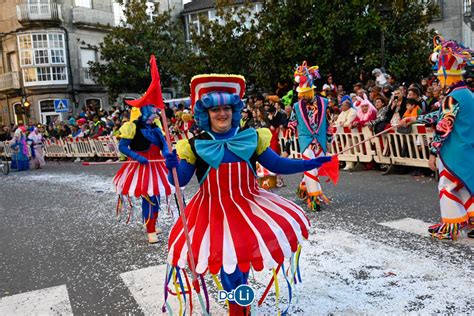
pixel 206 9
pixel 45 49
pixel 455 21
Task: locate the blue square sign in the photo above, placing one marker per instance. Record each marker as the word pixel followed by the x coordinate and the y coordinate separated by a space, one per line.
pixel 61 105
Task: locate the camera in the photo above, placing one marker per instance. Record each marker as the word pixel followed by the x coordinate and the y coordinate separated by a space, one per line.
pixel 395 97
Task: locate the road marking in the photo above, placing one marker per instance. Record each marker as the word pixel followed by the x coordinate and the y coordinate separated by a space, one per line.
pixel 418 227
pixel 147 287
pixel 49 301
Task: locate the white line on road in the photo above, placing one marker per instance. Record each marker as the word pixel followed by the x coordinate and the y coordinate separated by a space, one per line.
pixel 49 301
pixel 418 227
pixel 147 287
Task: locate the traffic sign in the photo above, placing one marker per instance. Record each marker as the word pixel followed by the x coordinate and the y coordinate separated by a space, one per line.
pixel 61 105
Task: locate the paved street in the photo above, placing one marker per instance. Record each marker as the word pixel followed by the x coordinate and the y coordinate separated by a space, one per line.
pixel 62 250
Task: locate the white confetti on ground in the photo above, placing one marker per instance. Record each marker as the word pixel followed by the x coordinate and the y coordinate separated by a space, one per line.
pixel 346 273
pixel 85 182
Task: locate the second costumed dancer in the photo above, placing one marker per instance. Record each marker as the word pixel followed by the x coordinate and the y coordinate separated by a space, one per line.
pixel 313 133
pixel 233 224
pixel 143 176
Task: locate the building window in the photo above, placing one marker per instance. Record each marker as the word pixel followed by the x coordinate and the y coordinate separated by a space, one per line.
pixel 57 56
pixel 25 57
pixel 212 15
pixel 83 3
pixel 466 7
pixel 59 73
pixel 439 4
pixel 87 56
pixel 29 75
pixel 39 7
pixel 43 58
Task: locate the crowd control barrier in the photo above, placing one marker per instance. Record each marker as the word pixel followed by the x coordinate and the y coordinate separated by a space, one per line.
pixel 394 148
pixel 408 149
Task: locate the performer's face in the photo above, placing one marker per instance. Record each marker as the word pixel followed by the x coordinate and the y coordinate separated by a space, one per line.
pixel 220 118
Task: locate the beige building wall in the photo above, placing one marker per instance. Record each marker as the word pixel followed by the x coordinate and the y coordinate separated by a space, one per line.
pixel 82 23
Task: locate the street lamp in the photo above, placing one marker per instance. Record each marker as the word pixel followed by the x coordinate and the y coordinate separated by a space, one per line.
pixel 25 104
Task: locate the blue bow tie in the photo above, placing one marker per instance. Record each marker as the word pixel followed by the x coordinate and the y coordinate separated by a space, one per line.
pixel 242 144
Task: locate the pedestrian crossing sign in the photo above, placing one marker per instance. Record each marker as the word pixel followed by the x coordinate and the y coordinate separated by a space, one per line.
pixel 61 105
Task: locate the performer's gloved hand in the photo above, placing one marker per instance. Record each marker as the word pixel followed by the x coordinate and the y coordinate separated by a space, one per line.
pixel 141 159
pixel 171 160
pixel 316 162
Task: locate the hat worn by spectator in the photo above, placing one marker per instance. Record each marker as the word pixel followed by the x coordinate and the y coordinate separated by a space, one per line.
pixel 348 99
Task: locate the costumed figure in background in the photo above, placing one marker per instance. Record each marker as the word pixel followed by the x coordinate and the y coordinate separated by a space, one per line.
pixel 452 148
pixel 143 176
pixel 35 141
pixel 20 160
pixel 233 224
pixel 187 127
pixel 380 78
pixel 313 133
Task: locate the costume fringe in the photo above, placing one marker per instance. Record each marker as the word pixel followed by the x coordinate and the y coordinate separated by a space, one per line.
pixel 301 192
pixel 449 231
pixel 291 274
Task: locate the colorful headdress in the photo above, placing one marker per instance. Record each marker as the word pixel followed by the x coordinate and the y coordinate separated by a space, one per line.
pixel 305 77
pixel 208 91
pixel 449 57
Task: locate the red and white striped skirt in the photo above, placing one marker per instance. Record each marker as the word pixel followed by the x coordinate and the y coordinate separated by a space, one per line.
pixel 232 222
pixel 151 179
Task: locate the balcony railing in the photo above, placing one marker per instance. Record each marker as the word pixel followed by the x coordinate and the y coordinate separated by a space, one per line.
pixel 32 12
pixel 9 80
pixel 86 76
pixel 92 17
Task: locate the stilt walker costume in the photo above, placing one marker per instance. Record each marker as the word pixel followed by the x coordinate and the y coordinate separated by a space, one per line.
pixel 233 224
pixel 313 132
pixel 143 142
pixel 453 142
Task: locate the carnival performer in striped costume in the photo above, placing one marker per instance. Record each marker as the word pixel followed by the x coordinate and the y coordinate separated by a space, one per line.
pixel 233 224
pixel 142 141
pixel 452 148
pixel 313 132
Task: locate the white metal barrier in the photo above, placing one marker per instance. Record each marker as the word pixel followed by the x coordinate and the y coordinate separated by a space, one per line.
pixel 106 146
pixel 392 148
pixel 55 148
pixel 410 149
pixel 344 137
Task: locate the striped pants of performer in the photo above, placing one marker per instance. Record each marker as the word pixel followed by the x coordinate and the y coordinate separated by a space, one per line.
pixel 310 185
pixel 456 204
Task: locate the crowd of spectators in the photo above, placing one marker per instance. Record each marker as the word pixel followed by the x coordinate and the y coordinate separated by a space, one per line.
pixel 377 102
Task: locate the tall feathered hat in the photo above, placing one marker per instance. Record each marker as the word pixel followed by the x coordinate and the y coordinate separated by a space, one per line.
pixel 208 91
pixel 449 57
pixel 305 77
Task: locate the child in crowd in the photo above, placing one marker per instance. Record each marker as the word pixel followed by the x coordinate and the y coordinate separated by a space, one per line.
pixel 413 108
